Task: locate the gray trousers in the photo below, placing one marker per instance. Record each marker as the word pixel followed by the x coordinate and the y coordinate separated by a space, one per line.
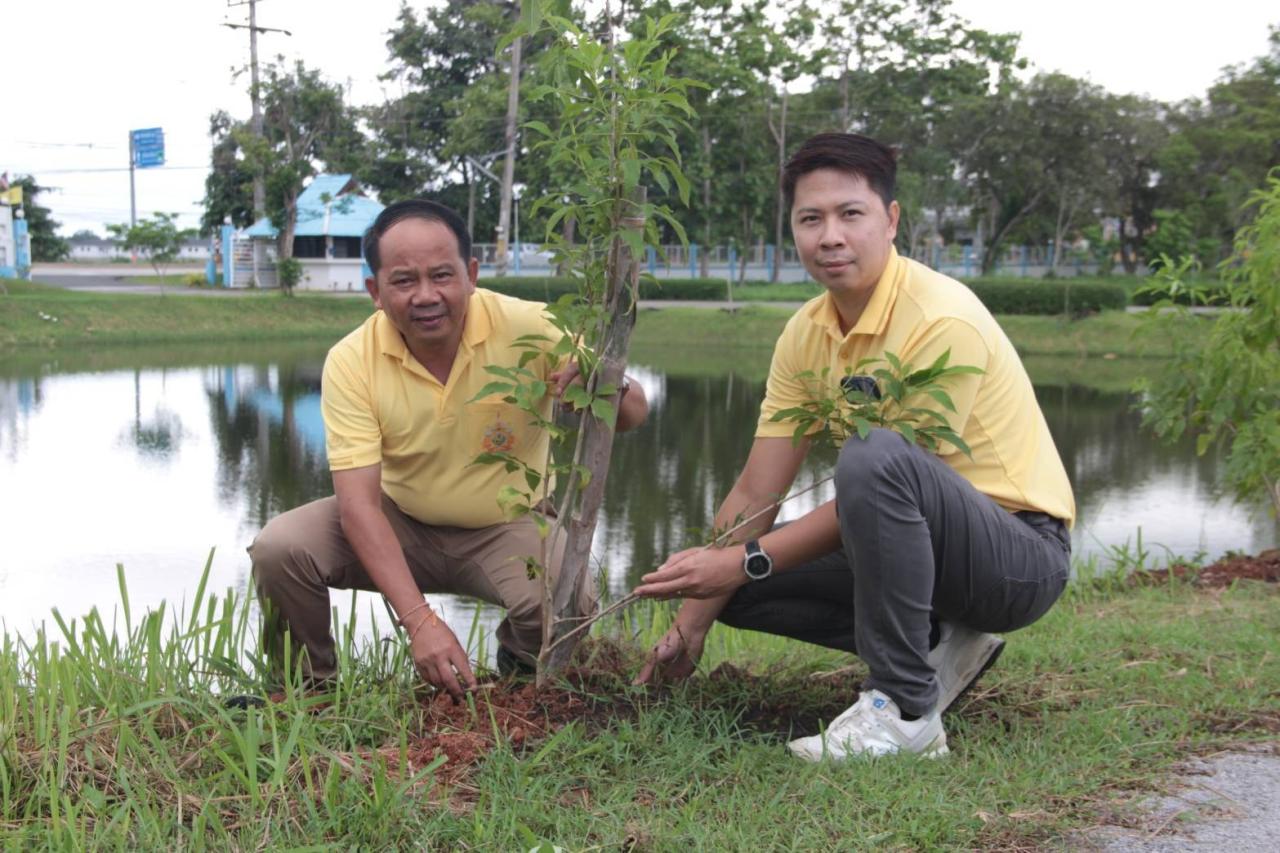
pixel 920 544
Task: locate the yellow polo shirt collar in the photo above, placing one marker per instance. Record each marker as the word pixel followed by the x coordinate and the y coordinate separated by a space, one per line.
pixel 875 317
pixel 381 407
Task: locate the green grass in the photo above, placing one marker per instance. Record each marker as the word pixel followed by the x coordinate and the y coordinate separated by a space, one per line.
pixel 124 743
pixel 33 315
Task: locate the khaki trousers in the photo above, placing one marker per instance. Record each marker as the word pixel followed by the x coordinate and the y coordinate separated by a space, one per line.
pixel 302 554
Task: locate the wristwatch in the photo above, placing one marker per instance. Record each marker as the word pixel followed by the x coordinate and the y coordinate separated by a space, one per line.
pixel 757 564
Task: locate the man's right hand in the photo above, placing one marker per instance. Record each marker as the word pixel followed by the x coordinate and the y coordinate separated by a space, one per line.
pixel 675 656
pixel 440 659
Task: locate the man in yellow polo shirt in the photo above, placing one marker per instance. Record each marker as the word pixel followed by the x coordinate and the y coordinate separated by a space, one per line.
pixel 410 512
pixel 920 554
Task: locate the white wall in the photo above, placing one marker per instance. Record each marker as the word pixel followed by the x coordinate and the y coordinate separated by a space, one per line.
pixel 345 274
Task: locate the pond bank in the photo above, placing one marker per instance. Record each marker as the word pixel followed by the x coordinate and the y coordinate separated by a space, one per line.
pixel 38 316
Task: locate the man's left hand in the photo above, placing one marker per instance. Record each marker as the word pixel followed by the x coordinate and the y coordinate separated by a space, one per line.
pixel 695 573
pixel 563 378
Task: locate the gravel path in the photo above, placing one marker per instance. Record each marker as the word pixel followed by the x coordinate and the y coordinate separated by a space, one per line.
pixel 1229 801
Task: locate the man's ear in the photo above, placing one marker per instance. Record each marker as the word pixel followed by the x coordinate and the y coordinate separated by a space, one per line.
pixel 473 271
pixel 895 213
pixel 371 285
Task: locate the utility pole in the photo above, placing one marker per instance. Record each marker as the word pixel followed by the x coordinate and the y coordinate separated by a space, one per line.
pixel 259 186
pixel 480 165
pixel 133 196
pixel 509 165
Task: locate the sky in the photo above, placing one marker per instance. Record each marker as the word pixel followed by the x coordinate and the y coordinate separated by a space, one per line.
pixel 82 74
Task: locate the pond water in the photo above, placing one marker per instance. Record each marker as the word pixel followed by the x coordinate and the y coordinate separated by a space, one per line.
pixel 152 457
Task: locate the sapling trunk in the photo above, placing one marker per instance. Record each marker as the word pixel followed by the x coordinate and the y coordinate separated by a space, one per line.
pixel 561 608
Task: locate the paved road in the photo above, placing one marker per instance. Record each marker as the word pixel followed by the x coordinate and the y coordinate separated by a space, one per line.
pixel 1228 802
pixel 112 279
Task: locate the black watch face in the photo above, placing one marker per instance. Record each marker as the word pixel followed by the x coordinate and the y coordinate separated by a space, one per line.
pixel 758 565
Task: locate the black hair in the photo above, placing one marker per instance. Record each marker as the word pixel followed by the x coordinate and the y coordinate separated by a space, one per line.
pixel 413 208
pixel 874 162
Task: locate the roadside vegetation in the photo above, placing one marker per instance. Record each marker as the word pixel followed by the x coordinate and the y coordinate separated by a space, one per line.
pixel 113 733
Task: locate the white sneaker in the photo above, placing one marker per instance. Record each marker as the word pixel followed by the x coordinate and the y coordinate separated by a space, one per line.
pixel 874 726
pixel 960 658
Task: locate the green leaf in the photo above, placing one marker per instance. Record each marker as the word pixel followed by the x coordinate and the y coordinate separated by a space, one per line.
pixel 943 398
pixel 540 127
pixel 513 502
pixel 603 409
pixel 1203 440
pixel 489 390
pixel 576 396
pixel 630 173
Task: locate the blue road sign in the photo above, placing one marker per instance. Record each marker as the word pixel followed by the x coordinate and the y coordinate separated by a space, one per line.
pixel 148 147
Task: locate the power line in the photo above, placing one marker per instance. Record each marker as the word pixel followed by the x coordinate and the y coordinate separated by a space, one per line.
pixel 97 145
pixel 105 169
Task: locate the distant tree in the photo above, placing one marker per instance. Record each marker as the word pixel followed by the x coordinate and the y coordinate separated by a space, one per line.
pixel 46 245
pixel 1027 151
pixel 1223 383
pixel 454 95
pixel 305 123
pixel 228 189
pixel 1222 147
pixel 1134 132
pixel 158 239
pixel 84 234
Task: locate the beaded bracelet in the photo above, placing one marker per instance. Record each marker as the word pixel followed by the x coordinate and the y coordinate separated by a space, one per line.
pixel 410 612
pixel 430 617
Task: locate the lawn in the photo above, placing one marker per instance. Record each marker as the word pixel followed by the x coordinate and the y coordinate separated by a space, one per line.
pixel 108 742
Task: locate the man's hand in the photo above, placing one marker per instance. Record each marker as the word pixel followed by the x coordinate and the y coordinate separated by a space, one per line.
pixel 674 658
pixel 564 377
pixel 440 659
pixel 695 573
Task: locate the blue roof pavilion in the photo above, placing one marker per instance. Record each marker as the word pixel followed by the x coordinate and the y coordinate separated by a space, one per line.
pixel 346 214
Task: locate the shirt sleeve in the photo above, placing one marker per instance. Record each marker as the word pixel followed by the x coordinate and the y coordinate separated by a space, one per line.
pixel 353 438
pixel 785 388
pixel 967 348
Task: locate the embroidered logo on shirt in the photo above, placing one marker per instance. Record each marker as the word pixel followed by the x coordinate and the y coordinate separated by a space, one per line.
pixel 499 438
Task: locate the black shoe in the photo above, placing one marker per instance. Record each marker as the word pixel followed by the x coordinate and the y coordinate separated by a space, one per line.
pixel 511 665
pixel 243 702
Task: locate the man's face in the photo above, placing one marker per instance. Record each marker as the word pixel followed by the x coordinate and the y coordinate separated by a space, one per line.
pixel 842 231
pixel 424 285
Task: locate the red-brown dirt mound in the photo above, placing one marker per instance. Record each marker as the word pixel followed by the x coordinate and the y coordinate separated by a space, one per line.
pixel 1264 567
pixel 463 733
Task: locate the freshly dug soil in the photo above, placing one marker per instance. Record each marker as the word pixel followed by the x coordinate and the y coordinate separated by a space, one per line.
pixel 595 693
pixel 1264 567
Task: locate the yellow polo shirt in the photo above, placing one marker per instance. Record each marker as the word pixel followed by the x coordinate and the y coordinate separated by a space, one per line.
pixel 381 406
pixel 917 314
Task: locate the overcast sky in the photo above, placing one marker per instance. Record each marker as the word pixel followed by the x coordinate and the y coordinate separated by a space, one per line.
pixel 80 75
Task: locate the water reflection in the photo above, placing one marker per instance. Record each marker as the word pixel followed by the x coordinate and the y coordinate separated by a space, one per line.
pixel 150 467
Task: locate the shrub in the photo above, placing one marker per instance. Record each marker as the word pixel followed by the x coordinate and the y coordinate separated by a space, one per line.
pixel 550 288
pixel 1001 296
pixel 288 273
pixel 1049 296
